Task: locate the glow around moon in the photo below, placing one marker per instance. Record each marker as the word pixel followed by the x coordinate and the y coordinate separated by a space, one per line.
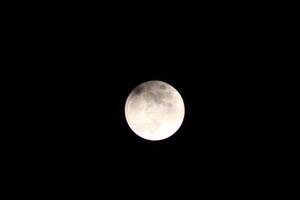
pixel 154 110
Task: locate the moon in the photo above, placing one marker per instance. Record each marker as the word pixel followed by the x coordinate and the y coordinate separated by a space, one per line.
pixel 154 110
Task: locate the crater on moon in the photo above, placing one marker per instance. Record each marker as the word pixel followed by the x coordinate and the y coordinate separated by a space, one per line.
pixel 138 90
pixel 157 97
pixel 162 86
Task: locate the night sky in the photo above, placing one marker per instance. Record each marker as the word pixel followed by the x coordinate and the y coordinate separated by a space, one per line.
pixel 217 62
pixel 220 134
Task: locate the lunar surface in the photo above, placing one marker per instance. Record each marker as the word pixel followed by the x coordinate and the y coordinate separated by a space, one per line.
pixel 154 110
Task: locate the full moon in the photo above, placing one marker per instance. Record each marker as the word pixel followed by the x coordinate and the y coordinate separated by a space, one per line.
pixel 154 110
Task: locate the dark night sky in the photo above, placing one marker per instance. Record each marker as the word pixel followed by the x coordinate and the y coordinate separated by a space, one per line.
pixel 221 89
pixel 216 60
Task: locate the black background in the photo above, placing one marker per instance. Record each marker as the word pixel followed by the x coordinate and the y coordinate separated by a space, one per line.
pixel 84 63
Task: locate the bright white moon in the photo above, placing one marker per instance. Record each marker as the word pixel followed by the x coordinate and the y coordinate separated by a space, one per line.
pixel 154 110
